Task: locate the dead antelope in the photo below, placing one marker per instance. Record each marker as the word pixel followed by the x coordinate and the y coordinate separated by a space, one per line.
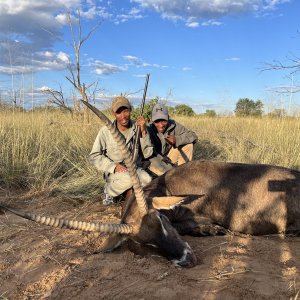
pixel 247 198
pixel 200 198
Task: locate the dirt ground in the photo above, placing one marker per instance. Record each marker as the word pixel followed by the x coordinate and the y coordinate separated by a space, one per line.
pixel 39 262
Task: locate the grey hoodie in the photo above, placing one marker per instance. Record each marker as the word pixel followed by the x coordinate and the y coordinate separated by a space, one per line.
pixel 162 148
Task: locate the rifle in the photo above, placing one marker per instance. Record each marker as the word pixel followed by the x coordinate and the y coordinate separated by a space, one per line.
pixel 136 143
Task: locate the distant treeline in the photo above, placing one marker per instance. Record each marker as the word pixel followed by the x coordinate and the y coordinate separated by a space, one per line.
pixel 244 108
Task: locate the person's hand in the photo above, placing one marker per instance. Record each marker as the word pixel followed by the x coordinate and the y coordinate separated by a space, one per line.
pixel 120 168
pixel 140 121
pixel 171 139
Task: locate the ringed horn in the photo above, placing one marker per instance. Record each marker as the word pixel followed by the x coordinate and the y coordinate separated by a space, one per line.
pixel 91 226
pixel 77 225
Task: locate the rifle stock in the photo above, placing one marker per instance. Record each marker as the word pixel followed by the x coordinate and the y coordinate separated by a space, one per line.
pixel 136 143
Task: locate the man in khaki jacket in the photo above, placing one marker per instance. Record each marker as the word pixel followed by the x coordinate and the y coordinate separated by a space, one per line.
pixel 106 157
pixel 173 143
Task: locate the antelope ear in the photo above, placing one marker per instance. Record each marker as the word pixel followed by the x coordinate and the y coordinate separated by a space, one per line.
pixel 167 202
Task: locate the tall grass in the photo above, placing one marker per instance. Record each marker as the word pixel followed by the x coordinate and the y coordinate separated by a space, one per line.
pixel 47 151
pixel 253 140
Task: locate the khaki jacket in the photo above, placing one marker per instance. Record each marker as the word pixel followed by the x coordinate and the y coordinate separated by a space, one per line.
pixel 105 153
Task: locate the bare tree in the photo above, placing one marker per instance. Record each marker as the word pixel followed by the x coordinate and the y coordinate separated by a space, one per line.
pixel 75 71
pixel 57 98
pixel 292 66
pixel 15 98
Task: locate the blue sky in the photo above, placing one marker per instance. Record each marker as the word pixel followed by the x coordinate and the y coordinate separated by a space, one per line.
pixel 206 54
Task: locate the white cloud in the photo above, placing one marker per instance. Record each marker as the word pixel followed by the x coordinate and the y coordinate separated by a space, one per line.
pixel 43 88
pixel 63 57
pixel 62 19
pixel 233 59
pixel 272 4
pixel 184 9
pixel 211 23
pixel 192 24
pixel 186 69
pixel 134 11
pixel 133 60
pixel 133 14
pixel 47 54
pixel 90 14
pixel 124 18
pixel 139 76
pixel 15 69
pixel 102 68
pixel 27 27
pixel 47 8
pixel 39 61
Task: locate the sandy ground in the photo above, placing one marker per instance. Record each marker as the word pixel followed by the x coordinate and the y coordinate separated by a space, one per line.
pixel 39 262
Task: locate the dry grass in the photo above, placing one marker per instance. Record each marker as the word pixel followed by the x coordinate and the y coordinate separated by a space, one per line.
pixel 48 150
pixel 251 140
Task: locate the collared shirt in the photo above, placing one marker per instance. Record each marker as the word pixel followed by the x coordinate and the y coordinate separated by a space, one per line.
pixel 106 154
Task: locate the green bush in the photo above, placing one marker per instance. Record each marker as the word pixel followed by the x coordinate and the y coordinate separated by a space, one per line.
pixel 183 110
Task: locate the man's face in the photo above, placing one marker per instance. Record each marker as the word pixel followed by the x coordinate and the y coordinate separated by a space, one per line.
pixel 122 116
pixel 161 125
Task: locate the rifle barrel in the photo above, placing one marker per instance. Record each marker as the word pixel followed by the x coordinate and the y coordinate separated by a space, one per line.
pixel 136 143
pixel 144 95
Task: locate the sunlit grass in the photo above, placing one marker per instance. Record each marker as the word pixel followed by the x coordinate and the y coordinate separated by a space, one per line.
pixel 252 140
pixel 48 151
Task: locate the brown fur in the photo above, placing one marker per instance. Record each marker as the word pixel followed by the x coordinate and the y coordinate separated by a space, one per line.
pixel 248 198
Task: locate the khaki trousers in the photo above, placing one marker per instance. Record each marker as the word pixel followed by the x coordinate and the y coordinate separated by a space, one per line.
pixel 117 183
pixel 182 154
pixel 178 156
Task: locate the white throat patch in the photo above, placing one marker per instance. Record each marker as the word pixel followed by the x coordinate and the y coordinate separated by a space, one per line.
pixel 162 225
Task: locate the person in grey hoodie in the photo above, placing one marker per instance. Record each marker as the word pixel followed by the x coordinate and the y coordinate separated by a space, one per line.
pixel 106 157
pixel 173 143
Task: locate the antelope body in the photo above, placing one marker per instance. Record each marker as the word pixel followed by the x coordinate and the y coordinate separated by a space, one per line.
pixel 247 198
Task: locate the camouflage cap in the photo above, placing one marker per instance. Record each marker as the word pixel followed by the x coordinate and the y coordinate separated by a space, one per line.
pixel 118 102
pixel 159 112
